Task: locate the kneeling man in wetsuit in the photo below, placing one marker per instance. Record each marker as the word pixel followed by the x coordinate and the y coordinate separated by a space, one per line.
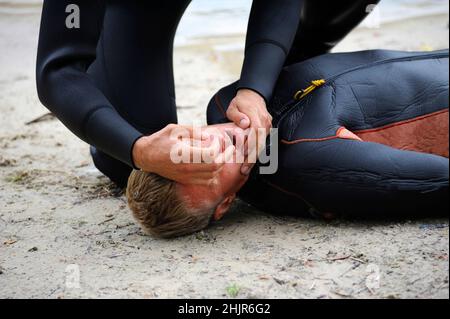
pixel 104 68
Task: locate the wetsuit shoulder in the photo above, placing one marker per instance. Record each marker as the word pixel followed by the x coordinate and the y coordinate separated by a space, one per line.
pixel 66 50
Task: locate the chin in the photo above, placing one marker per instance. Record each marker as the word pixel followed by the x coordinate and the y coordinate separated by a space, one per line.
pixel 232 179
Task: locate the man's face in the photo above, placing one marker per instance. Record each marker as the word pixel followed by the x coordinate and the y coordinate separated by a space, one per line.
pixel 229 181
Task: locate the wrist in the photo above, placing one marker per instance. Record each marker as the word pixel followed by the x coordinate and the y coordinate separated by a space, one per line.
pixel 248 92
pixel 251 95
pixel 140 148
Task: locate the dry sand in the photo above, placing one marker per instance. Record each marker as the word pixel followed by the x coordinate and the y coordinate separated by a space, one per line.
pixel 58 215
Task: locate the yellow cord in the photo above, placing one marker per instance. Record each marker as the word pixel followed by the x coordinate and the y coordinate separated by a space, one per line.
pixel 314 85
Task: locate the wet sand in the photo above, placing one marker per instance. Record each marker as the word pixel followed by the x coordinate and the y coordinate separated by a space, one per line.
pixel 58 215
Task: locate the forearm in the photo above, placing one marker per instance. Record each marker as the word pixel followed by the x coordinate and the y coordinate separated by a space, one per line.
pixel 271 32
pixel 64 87
pixel 82 108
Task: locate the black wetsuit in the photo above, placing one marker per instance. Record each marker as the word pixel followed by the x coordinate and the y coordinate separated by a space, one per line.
pixel 111 80
pixel 397 103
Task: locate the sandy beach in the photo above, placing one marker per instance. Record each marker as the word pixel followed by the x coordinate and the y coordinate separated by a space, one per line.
pixel 61 220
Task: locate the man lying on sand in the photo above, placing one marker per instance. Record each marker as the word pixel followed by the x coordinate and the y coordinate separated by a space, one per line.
pixel 368 137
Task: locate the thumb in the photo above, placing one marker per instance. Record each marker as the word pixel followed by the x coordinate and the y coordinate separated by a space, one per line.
pixel 239 118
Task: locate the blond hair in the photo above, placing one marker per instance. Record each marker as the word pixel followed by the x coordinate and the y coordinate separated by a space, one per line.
pixel 160 210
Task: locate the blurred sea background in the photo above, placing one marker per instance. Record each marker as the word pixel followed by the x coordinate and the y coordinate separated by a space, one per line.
pixel 218 18
pixel 206 18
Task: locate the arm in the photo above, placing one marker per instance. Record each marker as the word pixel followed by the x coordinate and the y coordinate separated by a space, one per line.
pixel 64 87
pixel 271 32
pixel 64 56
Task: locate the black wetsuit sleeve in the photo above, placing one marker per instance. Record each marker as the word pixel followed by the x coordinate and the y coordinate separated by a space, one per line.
pixel 271 32
pixel 65 88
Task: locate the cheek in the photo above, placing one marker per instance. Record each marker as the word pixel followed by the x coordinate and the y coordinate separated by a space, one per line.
pixel 232 176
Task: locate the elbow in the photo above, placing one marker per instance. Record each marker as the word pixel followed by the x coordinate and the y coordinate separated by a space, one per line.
pixel 41 85
pixel 41 95
pixel 44 85
pixel 46 79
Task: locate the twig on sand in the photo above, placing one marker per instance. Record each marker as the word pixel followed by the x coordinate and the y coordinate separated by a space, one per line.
pixel 416 280
pixel 9 242
pixel 339 258
pixel 124 226
pixel 46 117
pixel 350 269
pixel 358 260
pixel 372 292
pixel 342 294
pixel 279 281
pixel 106 221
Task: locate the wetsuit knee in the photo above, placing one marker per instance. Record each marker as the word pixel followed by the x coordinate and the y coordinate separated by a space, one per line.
pixel 115 170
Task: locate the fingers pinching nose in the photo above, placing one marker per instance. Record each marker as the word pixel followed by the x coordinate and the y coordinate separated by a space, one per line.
pixel 244 123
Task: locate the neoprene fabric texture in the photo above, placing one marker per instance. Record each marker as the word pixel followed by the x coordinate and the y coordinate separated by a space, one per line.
pixel 111 80
pixel 325 170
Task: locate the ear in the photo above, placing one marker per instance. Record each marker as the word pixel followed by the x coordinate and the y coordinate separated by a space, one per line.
pixel 223 207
